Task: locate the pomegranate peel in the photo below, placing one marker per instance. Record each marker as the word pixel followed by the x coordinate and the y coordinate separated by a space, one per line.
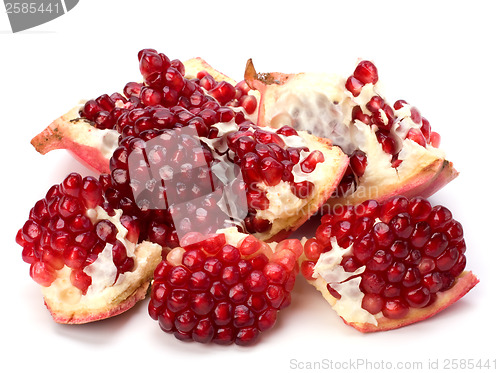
pixel 396 141
pixel 91 146
pixel 386 265
pixel 464 283
pixel 197 65
pixel 68 306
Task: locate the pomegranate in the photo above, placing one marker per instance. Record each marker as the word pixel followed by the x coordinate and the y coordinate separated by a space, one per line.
pixel 386 265
pixel 392 148
pixel 85 255
pixel 224 288
pixel 90 130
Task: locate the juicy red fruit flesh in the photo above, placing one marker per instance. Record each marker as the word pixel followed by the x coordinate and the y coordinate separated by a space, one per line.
pixel 223 294
pixel 414 252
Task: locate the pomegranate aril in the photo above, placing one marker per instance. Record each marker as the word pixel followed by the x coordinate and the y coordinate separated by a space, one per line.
pixel 373 303
pixel 358 162
pixel 416 135
pixel 308 165
pixel 302 189
pixel 395 309
pixel 366 72
pixel 42 273
pixel 223 92
pixel 354 86
pixel 357 114
pixel 272 171
pixel 419 209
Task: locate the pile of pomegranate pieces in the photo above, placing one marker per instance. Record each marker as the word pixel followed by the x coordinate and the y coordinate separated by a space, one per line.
pixel 200 181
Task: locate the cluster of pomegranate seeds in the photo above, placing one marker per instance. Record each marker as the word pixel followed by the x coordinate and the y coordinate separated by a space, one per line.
pixel 167 99
pixel 410 251
pixel 365 73
pixel 165 177
pixel 62 231
pixel 265 159
pixel 211 291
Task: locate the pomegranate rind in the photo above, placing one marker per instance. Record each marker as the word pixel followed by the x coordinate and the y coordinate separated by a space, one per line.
pixel 197 64
pixel 336 163
pixel 68 306
pixel 423 181
pixel 267 84
pixel 91 146
pixel 463 284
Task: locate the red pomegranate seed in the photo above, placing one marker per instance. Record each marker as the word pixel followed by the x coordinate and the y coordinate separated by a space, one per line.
pixel 302 189
pixel 132 89
pixel 223 92
pixel 415 115
pixel 308 165
pixel 287 131
pixel 366 72
pixel 399 104
pixel 354 86
pixel 357 114
pixel 386 141
pixel 417 136
pixel 435 139
pixel 358 162
pixel 375 104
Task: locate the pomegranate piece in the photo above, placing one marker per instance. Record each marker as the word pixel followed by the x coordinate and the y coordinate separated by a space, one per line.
pixel 396 141
pixel 90 131
pixel 387 274
pixel 85 255
pixel 225 290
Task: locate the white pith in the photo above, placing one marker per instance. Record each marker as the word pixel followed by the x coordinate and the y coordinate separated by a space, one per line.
pixel 64 298
pixel 328 271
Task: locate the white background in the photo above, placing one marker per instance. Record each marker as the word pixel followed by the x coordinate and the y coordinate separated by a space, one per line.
pixel 440 56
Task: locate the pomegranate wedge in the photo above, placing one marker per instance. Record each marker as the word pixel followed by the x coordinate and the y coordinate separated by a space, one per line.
pixel 85 255
pixel 90 130
pixel 224 288
pixel 384 266
pixel 392 149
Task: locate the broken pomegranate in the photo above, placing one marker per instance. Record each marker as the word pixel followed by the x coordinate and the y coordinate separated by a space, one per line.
pixel 85 255
pixel 392 149
pixel 386 265
pixel 224 288
pixel 90 130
